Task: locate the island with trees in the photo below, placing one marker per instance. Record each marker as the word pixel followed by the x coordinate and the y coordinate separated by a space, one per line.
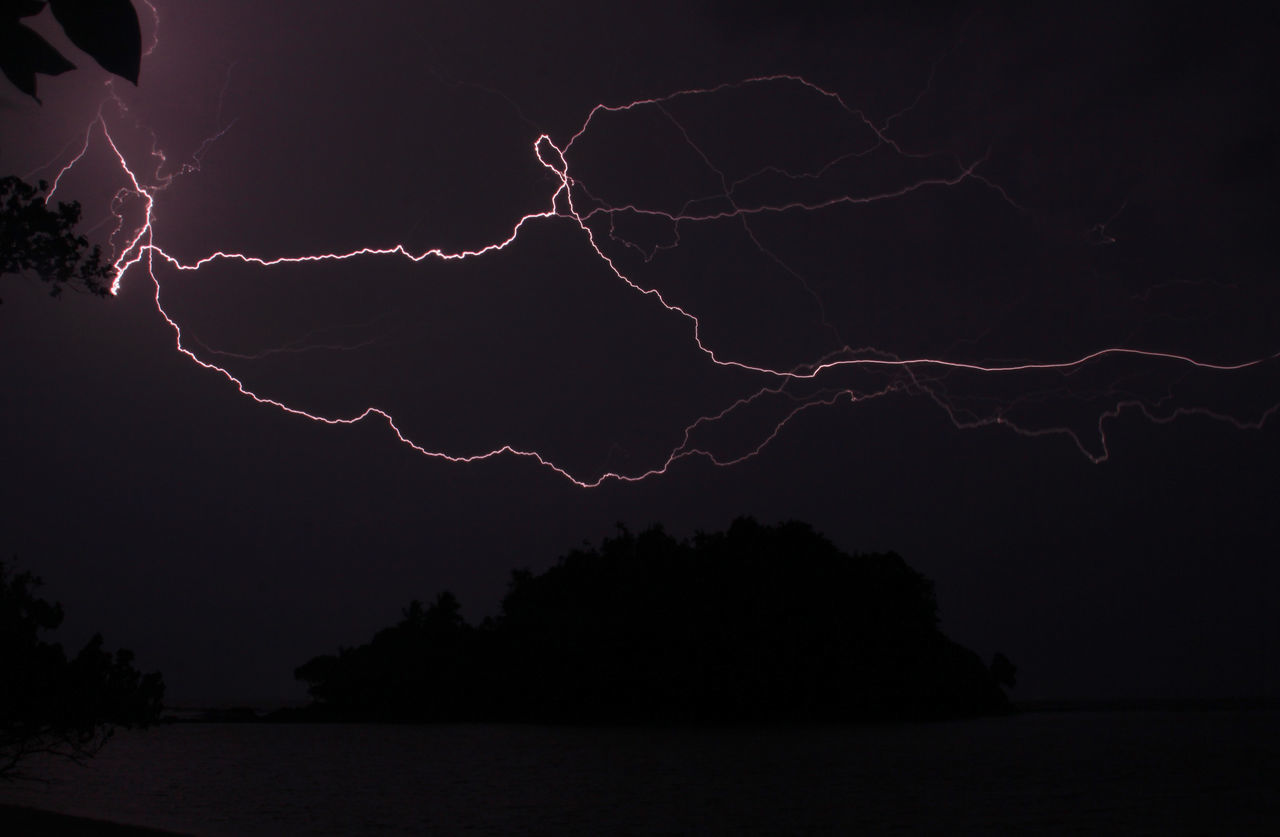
pixel 758 623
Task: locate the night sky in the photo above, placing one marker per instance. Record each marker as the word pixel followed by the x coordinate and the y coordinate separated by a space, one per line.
pixel 1005 186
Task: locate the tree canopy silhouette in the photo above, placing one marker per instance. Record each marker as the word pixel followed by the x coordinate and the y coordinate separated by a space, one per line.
pixel 33 237
pixel 107 30
pixel 755 623
pixel 53 704
pixel 37 239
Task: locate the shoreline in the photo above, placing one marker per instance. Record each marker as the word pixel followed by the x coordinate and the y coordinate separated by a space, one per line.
pixel 21 819
pixel 313 714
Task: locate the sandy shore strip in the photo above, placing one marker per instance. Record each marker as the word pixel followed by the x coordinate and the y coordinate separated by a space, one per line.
pixel 16 819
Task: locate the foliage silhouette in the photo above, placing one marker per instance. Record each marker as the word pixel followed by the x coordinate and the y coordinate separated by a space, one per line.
pixel 758 623
pixel 33 237
pixel 55 705
pixel 40 240
pixel 1004 671
pixel 107 30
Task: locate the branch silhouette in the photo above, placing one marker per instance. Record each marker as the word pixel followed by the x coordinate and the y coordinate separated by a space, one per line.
pixel 54 705
pixel 37 239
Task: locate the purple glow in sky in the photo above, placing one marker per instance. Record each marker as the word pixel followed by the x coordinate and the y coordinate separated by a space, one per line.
pixel 989 289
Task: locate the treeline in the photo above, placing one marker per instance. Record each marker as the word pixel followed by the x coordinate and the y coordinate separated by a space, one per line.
pixel 756 623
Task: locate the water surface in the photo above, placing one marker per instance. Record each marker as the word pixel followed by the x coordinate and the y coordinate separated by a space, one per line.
pixel 1043 773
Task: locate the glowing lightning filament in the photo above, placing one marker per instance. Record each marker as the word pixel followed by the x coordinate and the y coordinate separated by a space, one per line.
pixel 570 202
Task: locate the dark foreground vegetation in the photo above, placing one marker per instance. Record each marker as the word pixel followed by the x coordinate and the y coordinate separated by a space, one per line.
pixel 759 623
pixel 55 704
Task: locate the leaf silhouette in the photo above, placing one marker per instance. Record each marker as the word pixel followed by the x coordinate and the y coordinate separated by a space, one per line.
pixel 21 8
pixel 106 29
pixel 23 53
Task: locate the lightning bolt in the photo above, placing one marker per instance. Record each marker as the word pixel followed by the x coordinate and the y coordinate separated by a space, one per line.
pixel 784 393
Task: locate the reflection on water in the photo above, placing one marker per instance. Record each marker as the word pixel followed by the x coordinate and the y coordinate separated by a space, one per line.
pixel 1068 773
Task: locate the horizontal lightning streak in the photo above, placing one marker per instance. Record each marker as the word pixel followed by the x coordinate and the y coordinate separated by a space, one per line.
pixel 563 207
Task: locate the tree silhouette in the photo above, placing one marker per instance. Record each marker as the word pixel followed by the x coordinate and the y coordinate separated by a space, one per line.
pixel 35 239
pixel 53 704
pixel 107 30
pixel 755 623
pixel 419 667
pixel 1004 671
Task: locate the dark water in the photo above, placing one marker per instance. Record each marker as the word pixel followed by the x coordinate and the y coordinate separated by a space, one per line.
pixel 1068 773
